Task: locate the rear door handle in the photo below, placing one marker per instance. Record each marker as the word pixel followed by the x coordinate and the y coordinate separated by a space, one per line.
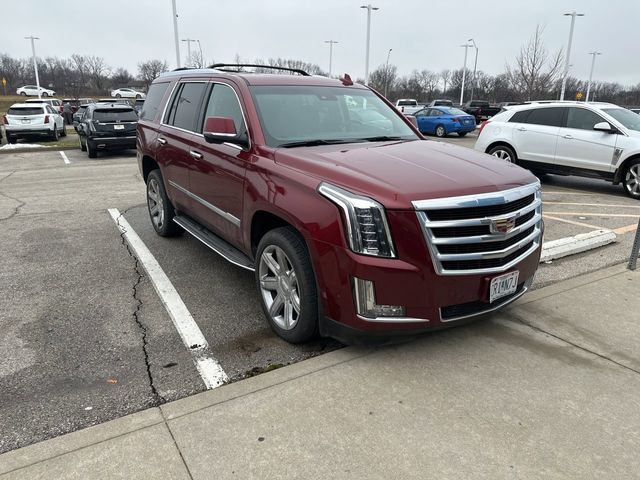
pixel 194 154
pixel 521 129
pixel 568 137
pixel 162 141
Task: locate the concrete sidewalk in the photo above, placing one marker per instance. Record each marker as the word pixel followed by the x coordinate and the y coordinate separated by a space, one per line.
pixel 549 388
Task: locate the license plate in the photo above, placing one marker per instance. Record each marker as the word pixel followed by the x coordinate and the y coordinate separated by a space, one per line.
pixel 503 285
pixel 118 127
pixel 26 121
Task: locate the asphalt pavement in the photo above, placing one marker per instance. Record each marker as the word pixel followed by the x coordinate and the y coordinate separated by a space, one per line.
pixel 86 338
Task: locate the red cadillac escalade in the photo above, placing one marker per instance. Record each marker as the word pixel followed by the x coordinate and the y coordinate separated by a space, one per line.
pixel 354 224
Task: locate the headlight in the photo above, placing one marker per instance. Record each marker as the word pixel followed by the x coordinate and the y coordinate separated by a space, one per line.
pixel 365 222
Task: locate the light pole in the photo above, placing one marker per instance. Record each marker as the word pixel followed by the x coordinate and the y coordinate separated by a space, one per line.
pixel 188 40
pixel 593 63
pixel 386 73
pixel 201 56
pixel 475 66
pixel 331 43
pixel 35 63
pixel 175 33
pixel 369 7
pixel 464 70
pixel 573 16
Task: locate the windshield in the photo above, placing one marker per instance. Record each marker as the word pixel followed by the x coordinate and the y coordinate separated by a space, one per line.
pixel 114 115
pixel 625 117
pixel 297 114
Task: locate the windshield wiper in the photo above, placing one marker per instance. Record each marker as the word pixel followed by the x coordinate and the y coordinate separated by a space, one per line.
pixel 382 138
pixel 315 143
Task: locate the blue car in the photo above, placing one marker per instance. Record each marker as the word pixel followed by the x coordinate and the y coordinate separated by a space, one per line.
pixel 442 121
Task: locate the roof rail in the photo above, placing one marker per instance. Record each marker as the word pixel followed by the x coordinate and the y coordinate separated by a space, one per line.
pixel 180 69
pixel 224 67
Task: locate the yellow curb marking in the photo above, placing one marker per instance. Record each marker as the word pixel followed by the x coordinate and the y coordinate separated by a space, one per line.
pixel 627 229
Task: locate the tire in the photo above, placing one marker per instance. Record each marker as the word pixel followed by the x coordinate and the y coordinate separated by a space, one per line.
pixel 462 134
pixel 45 94
pixel 54 135
pixel 441 131
pixel 504 153
pixel 162 216
pixel 11 139
pixel 92 151
pixel 284 250
pixel 83 147
pixel 118 95
pixel 24 94
pixel 138 97
pixel 64 130
pixel 631 179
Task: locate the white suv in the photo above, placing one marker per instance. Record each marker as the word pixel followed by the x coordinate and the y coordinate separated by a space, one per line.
pixel 32 119
pixel 598 140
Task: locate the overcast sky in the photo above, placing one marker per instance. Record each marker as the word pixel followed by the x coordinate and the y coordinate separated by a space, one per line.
pixel 422 34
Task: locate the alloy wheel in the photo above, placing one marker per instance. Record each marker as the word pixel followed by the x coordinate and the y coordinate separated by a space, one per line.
pixel 440 131
pixel 279 287
pixel 632 180
pixel 502 155
pixel 155 203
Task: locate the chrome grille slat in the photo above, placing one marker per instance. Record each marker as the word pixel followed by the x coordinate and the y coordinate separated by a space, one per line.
pixel 476 259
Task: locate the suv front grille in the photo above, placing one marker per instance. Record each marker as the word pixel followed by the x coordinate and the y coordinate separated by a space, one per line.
pixel 464 233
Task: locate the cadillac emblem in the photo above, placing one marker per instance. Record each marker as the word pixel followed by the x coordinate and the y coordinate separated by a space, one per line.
pixel 503 225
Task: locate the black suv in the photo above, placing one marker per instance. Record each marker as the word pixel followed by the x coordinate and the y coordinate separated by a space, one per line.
pixel 107 126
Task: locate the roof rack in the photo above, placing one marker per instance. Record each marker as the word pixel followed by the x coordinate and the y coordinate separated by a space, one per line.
pixel 225 67
pixel 180 69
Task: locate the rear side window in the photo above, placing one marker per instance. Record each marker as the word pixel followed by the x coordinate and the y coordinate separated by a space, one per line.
pixel 224 103
pixel 582 119
pixel 185 106
pixel 25 111
pixel 551 117
pixel 152 103
pixel 115 114
pixel 520 117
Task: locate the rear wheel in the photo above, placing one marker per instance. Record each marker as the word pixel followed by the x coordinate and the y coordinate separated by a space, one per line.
pixel 91 149
pixel 138 96
pixel 11 139
pixel 503 153
pixel 161 210
pixel 24 94
pixel 118 95
pixel 441 131
pixel 631 182
pixel 45 94
pixel 462 134
pixel 54 135
pixel 83 147
pixel 287 286
pixel 63 132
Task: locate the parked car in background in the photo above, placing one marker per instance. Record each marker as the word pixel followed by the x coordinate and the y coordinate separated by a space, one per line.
pixel 54 102
pixel 32 91
pixel 127 93
pixel 138 104
pixel 352 226
pixel 441 103
pixel 481 109
pixel 407 105
pixel 77 116
pixel 442 121
pixel 119 101
pixel 598 140
pixel 25 120
pixel 107 126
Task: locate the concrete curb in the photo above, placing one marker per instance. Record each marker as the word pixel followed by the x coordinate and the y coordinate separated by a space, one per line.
pixel 576 244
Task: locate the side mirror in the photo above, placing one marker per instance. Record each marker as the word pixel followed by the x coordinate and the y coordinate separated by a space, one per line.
pixel 222 130
pixel 604 127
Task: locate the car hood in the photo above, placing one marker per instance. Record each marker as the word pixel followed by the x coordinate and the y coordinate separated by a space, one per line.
pixel 395 174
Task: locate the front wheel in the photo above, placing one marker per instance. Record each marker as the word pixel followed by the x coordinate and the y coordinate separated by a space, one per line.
pixel 287 286
pixel 503 153
pixel 92 151
pixel 161 210
pixel 24 94
pixel 631 182
pixel 441 131
pixel 118 95
pixel 45 94
pixel 83 147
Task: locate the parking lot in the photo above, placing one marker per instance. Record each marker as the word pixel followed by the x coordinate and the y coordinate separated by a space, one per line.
pixel 85 336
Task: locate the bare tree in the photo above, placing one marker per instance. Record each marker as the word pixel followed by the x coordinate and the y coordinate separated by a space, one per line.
pixel 384 76
pixel 121 78
pixel 535 72
pixel 98 70
pixel 428 81
pixel 148 71
pixel 445 75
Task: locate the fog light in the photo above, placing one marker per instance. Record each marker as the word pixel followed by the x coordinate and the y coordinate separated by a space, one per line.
pixel 365 298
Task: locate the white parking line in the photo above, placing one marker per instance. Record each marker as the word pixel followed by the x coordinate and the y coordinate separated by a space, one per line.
pixel 208 367
pixel 64 157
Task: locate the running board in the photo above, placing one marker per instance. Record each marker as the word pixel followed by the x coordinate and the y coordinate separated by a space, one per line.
pixel 215 243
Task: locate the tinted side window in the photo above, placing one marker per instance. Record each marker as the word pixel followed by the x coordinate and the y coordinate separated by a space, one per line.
pixel 582 118
pixel 185 106
pixel 520 117
pixel 224 103
pixel 551 116
pixel 435 113
pixel 152 102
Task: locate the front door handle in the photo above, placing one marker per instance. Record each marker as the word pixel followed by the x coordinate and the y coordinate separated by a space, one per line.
pixel 568 137
pixel 162 141
pixel 194 154
pixel 521 129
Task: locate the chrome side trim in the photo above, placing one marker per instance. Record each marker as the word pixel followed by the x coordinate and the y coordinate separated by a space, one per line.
pixel 480 200
pixel 202 201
